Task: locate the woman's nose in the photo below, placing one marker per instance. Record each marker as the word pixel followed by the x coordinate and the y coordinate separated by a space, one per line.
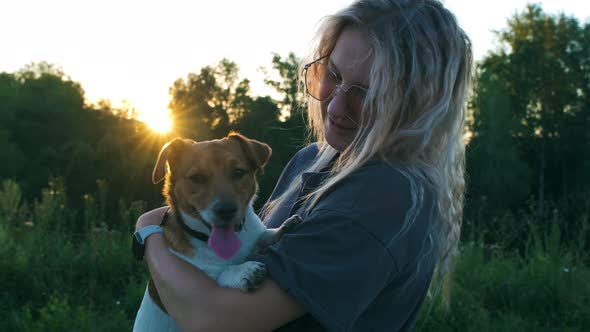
pixel 337 104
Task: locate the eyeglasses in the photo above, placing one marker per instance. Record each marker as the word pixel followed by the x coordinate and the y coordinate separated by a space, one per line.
pixel 321 84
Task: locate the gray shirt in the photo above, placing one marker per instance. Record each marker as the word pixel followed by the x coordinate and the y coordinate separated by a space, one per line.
pixel 352 263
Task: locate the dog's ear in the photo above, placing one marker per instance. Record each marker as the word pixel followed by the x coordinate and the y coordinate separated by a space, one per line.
pixel 258 153
pixel 169 154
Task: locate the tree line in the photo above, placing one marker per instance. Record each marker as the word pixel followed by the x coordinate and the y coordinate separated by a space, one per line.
pixel 528 148
pixel 51 137
pixel 530 144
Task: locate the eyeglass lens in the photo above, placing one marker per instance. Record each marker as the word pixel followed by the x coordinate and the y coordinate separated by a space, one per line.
pixel 321 84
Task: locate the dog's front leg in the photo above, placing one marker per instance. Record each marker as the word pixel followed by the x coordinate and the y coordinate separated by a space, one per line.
pixel 246 276
pixel 249 275
pixel 272 236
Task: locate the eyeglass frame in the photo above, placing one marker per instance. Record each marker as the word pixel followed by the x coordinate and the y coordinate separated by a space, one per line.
pixel 336 86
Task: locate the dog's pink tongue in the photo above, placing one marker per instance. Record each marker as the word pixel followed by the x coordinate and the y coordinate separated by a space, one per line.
pixel 224 241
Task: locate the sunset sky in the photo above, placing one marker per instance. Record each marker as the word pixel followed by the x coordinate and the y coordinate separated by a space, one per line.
pixel 135 50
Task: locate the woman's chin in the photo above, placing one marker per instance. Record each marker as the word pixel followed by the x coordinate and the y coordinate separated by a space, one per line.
pixel 337 139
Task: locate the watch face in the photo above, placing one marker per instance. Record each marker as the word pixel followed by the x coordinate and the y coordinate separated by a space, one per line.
pixel 137 247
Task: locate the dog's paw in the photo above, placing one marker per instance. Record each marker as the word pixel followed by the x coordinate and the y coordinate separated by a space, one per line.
pixel 254 275
pixel 272 236
pixel 247 276
pixel 291 223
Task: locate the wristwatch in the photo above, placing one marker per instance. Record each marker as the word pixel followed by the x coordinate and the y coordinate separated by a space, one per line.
pixel 139 237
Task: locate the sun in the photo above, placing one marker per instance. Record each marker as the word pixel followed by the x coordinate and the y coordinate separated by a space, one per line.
pixel 158 121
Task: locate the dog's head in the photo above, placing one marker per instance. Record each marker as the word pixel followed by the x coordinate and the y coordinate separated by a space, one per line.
pixel 212 180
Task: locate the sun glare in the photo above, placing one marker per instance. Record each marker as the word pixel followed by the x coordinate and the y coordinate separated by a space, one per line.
pixel 158 121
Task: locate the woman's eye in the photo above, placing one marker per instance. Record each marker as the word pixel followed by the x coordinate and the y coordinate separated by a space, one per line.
pixel 198 178
pixel 335 76
pixel 238 173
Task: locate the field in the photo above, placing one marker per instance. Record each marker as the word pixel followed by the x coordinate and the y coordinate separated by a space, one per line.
pixel 54 279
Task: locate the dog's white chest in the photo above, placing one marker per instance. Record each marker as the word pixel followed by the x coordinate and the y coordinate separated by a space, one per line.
pixel 227 273
pixel 206 260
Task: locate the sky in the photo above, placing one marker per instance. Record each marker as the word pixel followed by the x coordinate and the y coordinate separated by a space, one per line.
pixel 134 50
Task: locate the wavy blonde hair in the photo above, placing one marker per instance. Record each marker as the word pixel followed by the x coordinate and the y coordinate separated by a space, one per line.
pixel 414 112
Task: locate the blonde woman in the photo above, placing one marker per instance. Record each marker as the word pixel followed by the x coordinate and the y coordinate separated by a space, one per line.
pixel 380 192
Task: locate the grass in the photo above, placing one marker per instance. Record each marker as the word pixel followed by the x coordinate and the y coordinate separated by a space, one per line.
pixel 512 293
pixel 60 276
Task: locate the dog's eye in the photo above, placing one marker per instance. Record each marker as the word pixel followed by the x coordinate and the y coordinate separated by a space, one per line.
pixel 238 173
pixel 198 178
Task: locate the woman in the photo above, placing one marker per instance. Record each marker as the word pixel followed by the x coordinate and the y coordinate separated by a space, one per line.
pixel 380 193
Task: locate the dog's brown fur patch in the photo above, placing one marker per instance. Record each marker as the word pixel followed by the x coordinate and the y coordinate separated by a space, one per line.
pixel 153 291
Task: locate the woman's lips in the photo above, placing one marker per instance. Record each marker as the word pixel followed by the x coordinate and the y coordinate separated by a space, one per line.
pixel 340 126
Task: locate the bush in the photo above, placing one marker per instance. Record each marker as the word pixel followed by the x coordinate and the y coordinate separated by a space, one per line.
pixel 510 293
pixel 60 280
pixel 57 279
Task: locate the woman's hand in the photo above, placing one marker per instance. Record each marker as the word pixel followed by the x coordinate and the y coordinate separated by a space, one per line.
pixel 153 217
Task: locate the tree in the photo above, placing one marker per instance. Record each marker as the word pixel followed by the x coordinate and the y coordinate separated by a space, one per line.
pixel 494 162
pixel 205 105
pixel 47 130
pixel 284 79
pixel 287 84
pixel 543 65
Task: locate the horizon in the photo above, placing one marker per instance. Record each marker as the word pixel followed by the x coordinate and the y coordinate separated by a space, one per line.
pixel 116 52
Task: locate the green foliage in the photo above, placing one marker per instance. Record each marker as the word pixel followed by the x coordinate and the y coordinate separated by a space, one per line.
pixel 11 202
pixel 47 132
pixel 503 292
pixel 57 280
pixel 61 280
pixel 205 105
pixel 530 147
pixel 543 68
pixel 288 83
pixel 493 147
pixel 12 156
pixel 54 315
pixel 51 211
pixel 520 231
pixel 59 315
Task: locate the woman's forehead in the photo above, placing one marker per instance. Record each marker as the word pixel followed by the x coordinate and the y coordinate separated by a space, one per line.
pixel 352 56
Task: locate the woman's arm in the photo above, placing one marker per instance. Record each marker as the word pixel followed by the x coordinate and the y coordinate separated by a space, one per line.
pixel 197 303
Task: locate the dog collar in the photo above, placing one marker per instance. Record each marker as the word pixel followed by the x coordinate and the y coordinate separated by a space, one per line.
pixel 198 235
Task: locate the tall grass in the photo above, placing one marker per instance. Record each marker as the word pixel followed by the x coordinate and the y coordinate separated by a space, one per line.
pixel 540 284
pixel 55 279
pixel 511 293
pixel 74 272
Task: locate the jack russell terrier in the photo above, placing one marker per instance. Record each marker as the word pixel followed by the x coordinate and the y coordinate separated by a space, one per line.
pixel 210 187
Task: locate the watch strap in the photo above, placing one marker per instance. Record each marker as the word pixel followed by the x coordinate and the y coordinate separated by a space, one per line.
pixel 139 237
pixel 146 231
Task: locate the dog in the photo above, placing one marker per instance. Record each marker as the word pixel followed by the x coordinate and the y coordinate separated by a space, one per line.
pixel 210 187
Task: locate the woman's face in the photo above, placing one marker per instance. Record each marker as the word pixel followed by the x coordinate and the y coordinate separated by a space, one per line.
pixel 350 62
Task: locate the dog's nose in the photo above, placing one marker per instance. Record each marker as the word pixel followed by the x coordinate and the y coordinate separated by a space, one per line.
pixel 225 210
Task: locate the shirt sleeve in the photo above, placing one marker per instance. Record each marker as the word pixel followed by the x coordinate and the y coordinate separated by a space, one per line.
pixel 332 266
